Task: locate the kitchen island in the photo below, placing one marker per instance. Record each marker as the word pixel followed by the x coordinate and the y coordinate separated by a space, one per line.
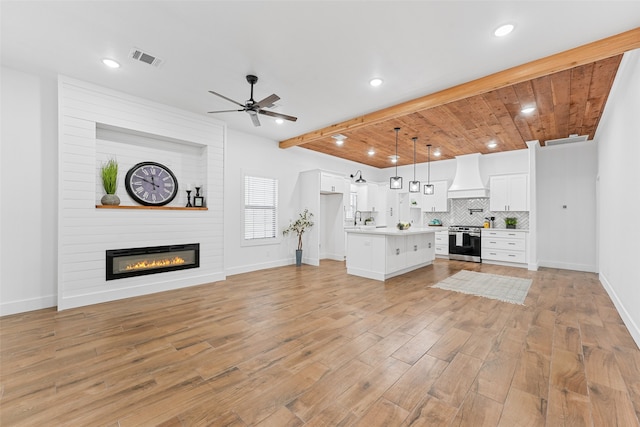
pixel 382 253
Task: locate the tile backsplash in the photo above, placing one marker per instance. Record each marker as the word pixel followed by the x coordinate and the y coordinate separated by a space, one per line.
pixel 460 214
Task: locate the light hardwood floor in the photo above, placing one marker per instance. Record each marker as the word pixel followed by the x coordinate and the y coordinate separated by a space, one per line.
pixel 313 346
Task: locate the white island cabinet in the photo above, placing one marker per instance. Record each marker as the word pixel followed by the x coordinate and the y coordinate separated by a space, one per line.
pixel 382 253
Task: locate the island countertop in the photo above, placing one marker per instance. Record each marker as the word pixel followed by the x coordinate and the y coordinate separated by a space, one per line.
pixel 390 231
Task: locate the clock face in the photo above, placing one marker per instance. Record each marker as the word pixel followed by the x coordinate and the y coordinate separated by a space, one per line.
pixel 151 184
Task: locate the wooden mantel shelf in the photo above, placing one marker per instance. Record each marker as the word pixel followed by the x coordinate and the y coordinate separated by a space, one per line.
pixel 158 208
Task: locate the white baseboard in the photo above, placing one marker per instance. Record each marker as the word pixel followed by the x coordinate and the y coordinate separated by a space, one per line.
pixel 631 325
pixel 568 266
pixel 258 266
pixel 31 304
pixel 82 300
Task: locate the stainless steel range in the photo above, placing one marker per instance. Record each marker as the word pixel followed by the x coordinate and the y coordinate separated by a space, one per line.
pixel 464 243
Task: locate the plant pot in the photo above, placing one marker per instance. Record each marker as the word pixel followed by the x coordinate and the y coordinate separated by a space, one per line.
pixel 511 226
pixel 298 257
pixel 110 200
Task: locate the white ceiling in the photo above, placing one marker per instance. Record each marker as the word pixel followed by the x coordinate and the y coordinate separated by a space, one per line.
pixel 318 56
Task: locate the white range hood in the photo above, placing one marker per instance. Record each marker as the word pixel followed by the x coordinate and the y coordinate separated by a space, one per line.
pixel 468 183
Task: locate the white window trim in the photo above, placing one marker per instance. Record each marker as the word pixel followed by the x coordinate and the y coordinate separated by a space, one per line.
pixel 258 242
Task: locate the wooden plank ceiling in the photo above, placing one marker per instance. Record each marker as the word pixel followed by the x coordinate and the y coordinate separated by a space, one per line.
pixel 569 101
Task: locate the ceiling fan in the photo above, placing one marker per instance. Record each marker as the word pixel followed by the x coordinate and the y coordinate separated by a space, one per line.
pixel 254 108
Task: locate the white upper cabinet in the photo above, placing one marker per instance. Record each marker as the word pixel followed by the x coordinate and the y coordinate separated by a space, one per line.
pixel 509 193
pixel 439 200
pixel 368 197
pixel 332 183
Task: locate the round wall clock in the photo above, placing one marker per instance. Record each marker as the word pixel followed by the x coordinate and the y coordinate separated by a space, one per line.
pixel 151 184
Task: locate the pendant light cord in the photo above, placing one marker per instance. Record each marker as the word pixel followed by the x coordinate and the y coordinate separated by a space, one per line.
pixel 429 164
pixel 414 158
pixel 397 130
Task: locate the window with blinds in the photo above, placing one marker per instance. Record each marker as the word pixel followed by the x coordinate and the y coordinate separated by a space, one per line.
pixel 260 207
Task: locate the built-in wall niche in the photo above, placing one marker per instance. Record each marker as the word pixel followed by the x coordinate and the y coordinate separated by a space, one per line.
pixel 187 160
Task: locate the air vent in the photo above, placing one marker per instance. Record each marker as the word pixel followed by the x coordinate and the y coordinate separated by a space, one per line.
pixel 571 138
pixel 139 55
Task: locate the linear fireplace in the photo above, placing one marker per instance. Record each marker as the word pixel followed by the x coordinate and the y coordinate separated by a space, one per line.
pixel 131 262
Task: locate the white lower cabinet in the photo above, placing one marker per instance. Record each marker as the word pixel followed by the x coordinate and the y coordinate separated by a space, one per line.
pixel 382 256
pixel 504 246
pixel 442 244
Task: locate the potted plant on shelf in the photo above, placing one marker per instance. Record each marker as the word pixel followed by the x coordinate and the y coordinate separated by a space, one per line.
pixel 109 175
pixel 299 226
pixel 510 222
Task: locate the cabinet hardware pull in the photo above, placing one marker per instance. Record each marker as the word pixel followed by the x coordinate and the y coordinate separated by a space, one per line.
pixel 415 248
pixel 397 251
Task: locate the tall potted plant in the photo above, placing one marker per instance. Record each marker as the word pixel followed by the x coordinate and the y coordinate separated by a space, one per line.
pixel 299 226
pixel 109 175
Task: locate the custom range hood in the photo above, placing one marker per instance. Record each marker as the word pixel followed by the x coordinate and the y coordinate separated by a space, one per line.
pixel 468 183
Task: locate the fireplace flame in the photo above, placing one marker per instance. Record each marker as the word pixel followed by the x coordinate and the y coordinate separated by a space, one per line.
pixel 156 263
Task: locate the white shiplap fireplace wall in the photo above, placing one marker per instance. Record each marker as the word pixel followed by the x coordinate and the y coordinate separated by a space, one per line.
pixel 97 123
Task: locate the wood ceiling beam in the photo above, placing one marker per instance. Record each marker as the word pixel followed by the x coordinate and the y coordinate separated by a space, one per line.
pixel 571 58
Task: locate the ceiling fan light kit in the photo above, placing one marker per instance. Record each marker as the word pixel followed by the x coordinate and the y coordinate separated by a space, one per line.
pixel 395 182
pixel 414 186
pixel 254 108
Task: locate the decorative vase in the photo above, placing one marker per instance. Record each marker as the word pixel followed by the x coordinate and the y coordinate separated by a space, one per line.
pixel 298 257
pixel 110 200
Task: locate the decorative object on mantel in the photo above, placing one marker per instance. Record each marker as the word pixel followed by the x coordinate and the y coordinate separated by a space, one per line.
pixel 403 226
pixel 395 182
pixel 299 226
pixel 198 200
pixel 510 222
pixel 109 174
pixel 188 205
pixel 151 184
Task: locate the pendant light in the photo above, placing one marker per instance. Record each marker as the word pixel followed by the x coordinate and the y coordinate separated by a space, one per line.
pixel 429 188
pixel 414 186
pixel 395 182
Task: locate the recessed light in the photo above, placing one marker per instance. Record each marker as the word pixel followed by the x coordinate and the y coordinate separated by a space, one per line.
pixel 528 110
pixel 503 30
pixel 110 63
pixel 371 152
pixel 492 144
pixel 437 153
pixel 279 121
pixel 394 159
pixel 375 82
pixel 339 138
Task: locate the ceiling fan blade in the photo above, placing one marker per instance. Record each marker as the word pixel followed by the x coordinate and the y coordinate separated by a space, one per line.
pixel 254 118
pixel 228 99
pixel 224 111
pixel 268 101
pixel 278 115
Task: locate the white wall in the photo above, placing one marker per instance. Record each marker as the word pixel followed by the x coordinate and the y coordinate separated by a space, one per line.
pixel 253 153
pixel 28 192
pixel 567 177
pixel 508 162
pixel 191 145
pixel 618 163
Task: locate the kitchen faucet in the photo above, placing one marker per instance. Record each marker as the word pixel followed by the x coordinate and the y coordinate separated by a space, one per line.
pixel 355 217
